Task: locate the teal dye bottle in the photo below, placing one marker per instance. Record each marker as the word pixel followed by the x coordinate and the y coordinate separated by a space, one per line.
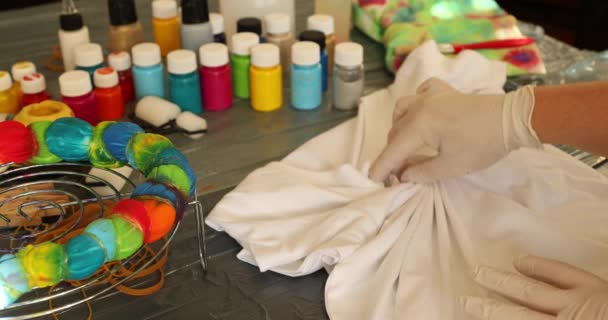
pixel 148 71
pixel 88 57
pixel 306 76
pixel 184 81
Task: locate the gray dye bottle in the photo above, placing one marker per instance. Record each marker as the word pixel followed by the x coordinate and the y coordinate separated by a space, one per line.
pixel 349 76
pixel 196 28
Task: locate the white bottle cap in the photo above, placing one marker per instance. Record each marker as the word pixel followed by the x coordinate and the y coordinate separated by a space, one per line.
pixel 181 61
pixel 75 83
pixel 305 53
pixel 5 81
pixel 146 54
pixel 217 23
pixel 277 23
pixel 265 55
pixel 119 61
pixel 213 55
pixel 88 54
pixel 243 41
pixel 321 22
pixel 105 78
pixel 34 83
pixel 349 54
pixel 164 9
pixel 22 69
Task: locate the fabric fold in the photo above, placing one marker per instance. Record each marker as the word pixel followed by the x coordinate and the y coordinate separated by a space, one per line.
pixel 408 251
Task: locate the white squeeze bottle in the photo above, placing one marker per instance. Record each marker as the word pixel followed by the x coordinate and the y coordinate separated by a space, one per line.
pixel 72 33
pixel 233 10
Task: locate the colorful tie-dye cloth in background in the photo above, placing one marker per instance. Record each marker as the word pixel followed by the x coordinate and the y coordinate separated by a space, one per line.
pixel 404 24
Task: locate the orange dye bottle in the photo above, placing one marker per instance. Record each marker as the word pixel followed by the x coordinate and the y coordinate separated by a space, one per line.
pixel 166 26
pixel 108 95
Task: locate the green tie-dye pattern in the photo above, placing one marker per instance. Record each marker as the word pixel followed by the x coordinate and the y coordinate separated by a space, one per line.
pixel 404 24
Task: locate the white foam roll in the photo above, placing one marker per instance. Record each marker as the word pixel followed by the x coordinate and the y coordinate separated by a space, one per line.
pixel 191 122
pixel 156 111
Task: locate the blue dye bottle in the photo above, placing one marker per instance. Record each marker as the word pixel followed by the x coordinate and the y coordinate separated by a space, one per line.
pixel 148 71
pixel 318 37
pixel 88 57
pixel 306 76
pixel 184 81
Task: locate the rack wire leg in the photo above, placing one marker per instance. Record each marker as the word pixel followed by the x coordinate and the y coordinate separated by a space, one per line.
pixel 200 233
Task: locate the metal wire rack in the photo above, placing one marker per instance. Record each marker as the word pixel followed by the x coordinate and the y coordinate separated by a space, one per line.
pixel 44 197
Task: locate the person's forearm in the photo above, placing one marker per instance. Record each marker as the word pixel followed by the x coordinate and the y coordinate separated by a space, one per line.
pixel 575 115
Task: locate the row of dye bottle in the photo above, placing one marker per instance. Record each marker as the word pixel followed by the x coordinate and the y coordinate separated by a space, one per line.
pixel 307 75
pixel 103 103
pixel 188 84
pixel 195 28
pixel 210 85
pixel 339 9
pixel 89 58
pixel 28 87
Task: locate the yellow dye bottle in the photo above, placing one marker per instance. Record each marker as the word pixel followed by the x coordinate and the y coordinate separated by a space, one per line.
pixel 166 26
pixel 266 79
pixel 9 102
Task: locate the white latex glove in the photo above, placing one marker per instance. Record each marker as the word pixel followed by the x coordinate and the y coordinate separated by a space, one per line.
pixel 548 290
pixel 460 133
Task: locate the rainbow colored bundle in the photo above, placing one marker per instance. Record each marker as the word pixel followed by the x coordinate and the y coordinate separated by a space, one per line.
pixel 155 206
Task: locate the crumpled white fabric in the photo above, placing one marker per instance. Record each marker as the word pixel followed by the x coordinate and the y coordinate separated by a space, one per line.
pixel 406 252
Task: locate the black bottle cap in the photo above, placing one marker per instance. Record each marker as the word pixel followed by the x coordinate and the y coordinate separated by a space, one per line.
pixel 71 22
pixel 249 24
pixel 122 12
pixel 315 36
pixel 195 11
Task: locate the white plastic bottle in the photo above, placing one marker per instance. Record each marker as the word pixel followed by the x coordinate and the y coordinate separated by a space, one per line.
pixel 196 28
pixel 72 33
pixel 232 10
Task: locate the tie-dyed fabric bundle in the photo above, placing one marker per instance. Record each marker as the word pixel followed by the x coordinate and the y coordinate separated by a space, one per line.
pixel 404 24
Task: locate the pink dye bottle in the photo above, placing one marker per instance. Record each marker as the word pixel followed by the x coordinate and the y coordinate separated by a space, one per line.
pixel 216 77
pixel 77 92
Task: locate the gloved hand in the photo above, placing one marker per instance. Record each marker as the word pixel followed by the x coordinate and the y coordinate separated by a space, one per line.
pixel 462 133
pixel 548 290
